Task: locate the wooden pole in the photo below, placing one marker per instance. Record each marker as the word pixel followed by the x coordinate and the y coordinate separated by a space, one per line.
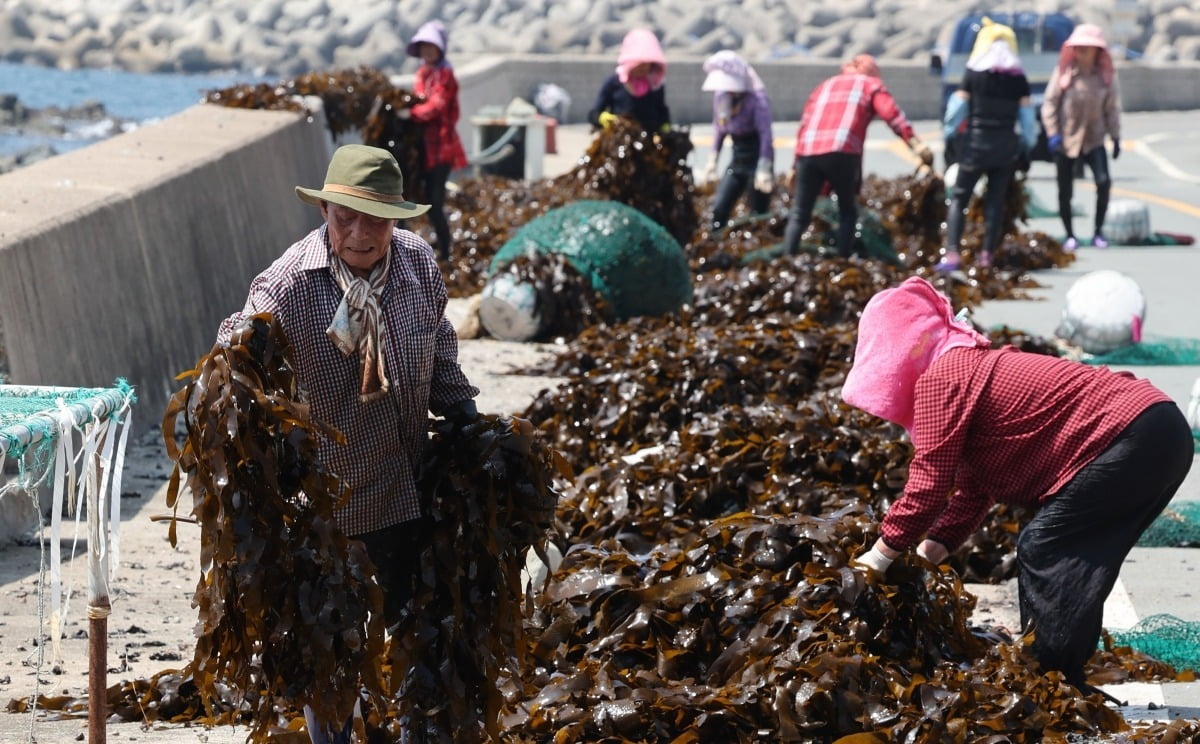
pixel 99 606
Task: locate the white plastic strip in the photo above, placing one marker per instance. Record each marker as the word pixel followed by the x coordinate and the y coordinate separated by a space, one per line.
pixel 61 462
pixel 118 468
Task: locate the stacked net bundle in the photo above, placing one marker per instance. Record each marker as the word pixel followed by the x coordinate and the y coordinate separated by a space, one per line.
pixel 1166 638
pixel 628 258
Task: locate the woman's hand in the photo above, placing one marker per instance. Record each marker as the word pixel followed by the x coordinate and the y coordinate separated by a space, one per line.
pixel 932 551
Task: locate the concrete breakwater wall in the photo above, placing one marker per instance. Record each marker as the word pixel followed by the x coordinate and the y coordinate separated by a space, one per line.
pixel 121 259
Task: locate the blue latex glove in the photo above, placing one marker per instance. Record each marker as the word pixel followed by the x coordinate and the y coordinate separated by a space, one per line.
pixel 1028 127
pixel 1054 143
pixel 956 111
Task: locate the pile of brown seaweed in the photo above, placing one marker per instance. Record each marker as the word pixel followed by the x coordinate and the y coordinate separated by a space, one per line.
pixel 265 508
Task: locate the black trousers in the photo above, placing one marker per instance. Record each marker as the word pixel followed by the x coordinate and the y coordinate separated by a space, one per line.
pixel 1070 553
pixel 435 192
pixel 1097 161
pixel 993 204
pixel 396 552
pixel 843 172
pixel 739 179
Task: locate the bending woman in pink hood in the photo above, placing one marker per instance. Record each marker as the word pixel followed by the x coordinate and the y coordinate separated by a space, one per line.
pixel 635 89
pixel 1095 454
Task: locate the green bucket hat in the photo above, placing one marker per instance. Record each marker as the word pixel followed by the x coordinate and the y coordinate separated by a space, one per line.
pixel 365 179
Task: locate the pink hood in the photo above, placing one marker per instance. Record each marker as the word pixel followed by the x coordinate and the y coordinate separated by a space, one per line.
pixel 641 45
pixel 902 331
pixel 1085 34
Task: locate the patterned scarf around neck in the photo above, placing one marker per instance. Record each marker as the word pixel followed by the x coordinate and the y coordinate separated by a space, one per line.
pixel 358 323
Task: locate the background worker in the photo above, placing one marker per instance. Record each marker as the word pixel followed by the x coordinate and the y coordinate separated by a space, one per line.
pixel 636 89
pixel 829 146
pixel 741 112
pixel 363 305
pixel 1096 454
pixel 993 98
pixel 436 83
pixel 1081 106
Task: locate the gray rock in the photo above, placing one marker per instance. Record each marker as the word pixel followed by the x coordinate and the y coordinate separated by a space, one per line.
pixel 265 13
pixel 1187 48
pixel 1181 22
pixel 13 26
pixel 147 32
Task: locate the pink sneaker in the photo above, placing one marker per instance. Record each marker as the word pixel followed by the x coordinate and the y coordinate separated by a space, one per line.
pixel 1098 241
pixel 984 261
pixel 1069 245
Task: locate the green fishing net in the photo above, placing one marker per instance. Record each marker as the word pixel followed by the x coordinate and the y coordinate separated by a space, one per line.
pixel 875 239
pixel 29 417
pixel 1152 350
pixel 1177 527
pixel 631 260
pixel 1165 638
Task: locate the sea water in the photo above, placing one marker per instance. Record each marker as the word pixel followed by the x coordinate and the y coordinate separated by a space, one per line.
pixel 127 96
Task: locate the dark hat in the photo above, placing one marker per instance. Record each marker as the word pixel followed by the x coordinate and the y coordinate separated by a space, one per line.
pixel 365 179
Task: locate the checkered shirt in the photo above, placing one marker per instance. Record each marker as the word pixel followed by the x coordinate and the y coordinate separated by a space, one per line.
pixel 384 438
pixel 839 110
pixel 1004 426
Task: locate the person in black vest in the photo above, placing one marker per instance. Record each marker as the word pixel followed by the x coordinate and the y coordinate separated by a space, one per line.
pixel 994 99
pixel 636 88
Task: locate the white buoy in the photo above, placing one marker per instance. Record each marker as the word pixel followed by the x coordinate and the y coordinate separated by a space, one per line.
pixel 508 308
pixel 1127 222
pixel 1104 311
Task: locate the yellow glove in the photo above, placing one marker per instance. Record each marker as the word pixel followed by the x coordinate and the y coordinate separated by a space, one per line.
pixel 606 119
pixel 921 150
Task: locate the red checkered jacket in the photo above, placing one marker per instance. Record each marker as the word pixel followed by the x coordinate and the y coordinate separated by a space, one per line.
pixel 1004 426
pixel 439 113
pixel 839 110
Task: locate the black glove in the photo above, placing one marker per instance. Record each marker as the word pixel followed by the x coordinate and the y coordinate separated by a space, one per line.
pixel 462 414
pixel 1116 148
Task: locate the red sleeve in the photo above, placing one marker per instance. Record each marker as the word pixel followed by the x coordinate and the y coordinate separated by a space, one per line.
pixel 962 516
pixel 886 109
pixel 439 89
pixel 939 432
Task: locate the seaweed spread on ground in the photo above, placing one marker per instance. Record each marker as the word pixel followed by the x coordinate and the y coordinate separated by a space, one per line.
pixel 722 488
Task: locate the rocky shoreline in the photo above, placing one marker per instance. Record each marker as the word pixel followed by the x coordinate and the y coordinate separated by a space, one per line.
pixel 89 121
pixel 283 37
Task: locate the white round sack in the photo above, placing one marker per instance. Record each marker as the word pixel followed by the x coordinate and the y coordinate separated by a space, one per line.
pixel 1104 311
pixel 1127 222
pixel 508 309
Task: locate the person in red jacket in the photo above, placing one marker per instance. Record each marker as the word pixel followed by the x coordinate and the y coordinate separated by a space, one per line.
pixel 435 82
pixel 1095 454
pixel 829 146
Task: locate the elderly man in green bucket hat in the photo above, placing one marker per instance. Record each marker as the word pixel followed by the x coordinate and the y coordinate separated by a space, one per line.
pixel 363 303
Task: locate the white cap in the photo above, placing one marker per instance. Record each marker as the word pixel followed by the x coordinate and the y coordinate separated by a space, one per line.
pixel 722 82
